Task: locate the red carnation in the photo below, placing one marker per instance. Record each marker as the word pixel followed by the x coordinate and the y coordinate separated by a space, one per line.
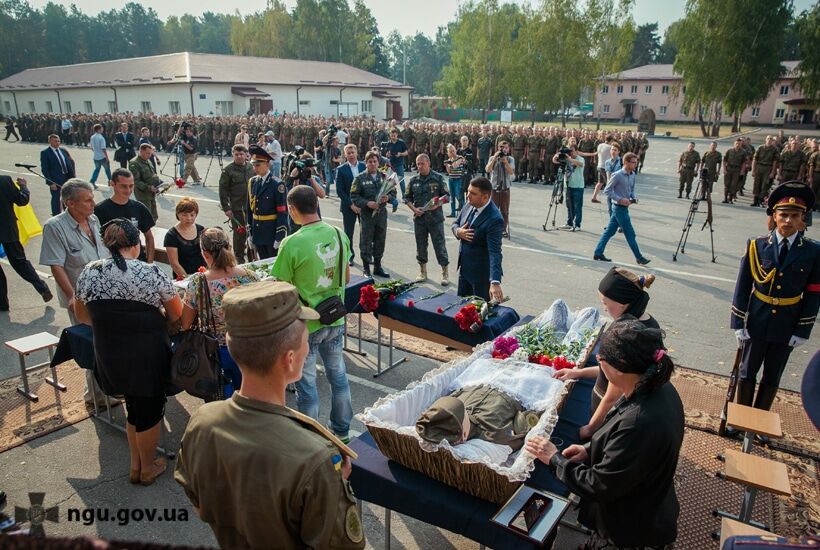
pixel 241 230
pixel 369 298
pixel 411 303
pixel 440 310
pixel 180 182
pixel 202 269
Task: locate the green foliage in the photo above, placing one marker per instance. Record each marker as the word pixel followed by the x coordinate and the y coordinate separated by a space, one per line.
pixel 646 46
pixel 808 31
pixel 669 47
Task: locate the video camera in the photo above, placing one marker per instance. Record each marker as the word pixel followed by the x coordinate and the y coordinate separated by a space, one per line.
pixel 305 167
pixel 181 126
pixel 383 147
pixel 562 154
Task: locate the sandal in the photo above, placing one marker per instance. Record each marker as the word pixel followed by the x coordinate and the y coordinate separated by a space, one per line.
pixel 157 470
pixel 134 477
pixel 595 200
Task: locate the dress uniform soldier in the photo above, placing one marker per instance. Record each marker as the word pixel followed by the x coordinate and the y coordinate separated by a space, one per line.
pixel 764 164
pixel 233 196
pixel 792 163
pixel 687 166
pixel 364 193
pixel 733 161
pixel 267 207
pixel 777 294
pixel 712 160
pixel 425 186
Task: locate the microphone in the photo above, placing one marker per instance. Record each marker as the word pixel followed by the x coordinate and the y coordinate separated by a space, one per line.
pixel 26 166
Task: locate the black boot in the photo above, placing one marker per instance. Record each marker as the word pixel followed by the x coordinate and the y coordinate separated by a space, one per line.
pixel 378 271
pixel 765 396
pixel 366 269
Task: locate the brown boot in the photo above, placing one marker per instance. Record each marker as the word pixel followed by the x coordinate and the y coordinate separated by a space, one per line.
pixel 445 276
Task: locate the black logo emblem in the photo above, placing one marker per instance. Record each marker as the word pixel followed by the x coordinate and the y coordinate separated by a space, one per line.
pixel 37 514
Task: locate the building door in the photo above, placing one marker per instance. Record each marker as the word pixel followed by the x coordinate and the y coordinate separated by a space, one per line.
pixel 265 105
pixel 394 110
pixel 628 112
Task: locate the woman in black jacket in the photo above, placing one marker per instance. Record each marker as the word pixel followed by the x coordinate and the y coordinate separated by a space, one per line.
pixel 625 474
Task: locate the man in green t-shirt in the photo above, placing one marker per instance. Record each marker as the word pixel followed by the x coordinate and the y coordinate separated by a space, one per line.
pixel 315 261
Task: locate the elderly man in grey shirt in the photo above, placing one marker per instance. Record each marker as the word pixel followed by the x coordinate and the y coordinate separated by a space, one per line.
pixel 71 240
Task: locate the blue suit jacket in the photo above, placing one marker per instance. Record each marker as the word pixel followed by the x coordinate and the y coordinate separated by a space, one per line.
pixel 50 166
pixel 799 275
pixel 480 259
pixel 344 179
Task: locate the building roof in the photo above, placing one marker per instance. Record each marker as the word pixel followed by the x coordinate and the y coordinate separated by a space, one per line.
pixel 666 72
pixel 186 67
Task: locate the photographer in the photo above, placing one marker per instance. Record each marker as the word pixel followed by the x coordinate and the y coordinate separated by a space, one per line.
pixel 572 164
pixel 397 151
pixel 303 172
pixel 501 168
pixel 189 148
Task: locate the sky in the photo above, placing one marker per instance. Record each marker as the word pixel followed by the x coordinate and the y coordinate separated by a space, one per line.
pixel 406 16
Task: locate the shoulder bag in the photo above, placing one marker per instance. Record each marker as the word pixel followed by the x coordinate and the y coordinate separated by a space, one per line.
pixel 332 309
pixel 195 365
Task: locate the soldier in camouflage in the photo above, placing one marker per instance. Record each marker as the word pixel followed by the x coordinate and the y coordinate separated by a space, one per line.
pixel 421 190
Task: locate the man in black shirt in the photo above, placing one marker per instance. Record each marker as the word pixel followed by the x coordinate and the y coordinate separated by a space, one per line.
pixel 485 150
pixel 397 151
pixel 120 205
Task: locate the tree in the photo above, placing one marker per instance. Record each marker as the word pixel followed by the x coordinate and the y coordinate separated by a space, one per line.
pixel 669 48
pixel 647 45
pixel 264 34
pixel 808 30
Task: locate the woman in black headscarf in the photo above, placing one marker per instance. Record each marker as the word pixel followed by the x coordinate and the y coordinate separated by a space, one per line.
pixel 625 476
pixel 623 296
pixel 127 303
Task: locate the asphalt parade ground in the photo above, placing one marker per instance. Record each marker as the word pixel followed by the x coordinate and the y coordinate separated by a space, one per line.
pixel 86 464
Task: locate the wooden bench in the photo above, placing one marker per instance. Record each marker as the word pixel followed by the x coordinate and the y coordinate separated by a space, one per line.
pixel 26 346
pixel 732 528
pixel 753 422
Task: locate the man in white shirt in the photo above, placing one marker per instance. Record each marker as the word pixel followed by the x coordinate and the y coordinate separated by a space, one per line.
pixel 342 135
pixel 274 148
pixel 100 154
pixel 65 129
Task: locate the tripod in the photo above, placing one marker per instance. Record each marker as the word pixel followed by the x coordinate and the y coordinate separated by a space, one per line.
pixel 557 197
pixel 175 153
pixel 701 194
pixel 218 155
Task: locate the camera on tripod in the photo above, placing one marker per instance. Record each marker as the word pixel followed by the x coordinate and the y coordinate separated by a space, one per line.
pixel 181 126
pixel 305 167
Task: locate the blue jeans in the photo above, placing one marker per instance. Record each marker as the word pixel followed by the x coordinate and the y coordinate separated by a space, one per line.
pixel 102 163
pixel 399 170
pixel 233 376
pixel 575 206
pixel 454 184
pixel 327 342
pixel 276 169
pixel 620 218
pixel 181 158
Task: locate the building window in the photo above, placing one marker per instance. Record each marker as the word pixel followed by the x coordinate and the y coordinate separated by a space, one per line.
pixel 605 89
pixel 173 107
pixel 663 109
pixel 202 96
pixel 367 105
pixel 665 89
pixel 67 106
pixel 643 108
pixel 755 112
pixel 684 110
pixel 784 90
pixel 31 108
pixel 49 107
pixel 304 102
pixel 145 106
pixel 620 89
pixel 780 113
pixel 224 108
pixel 87 105
pixel 648 89
pixel 7 106
pixel 606 108
pixel 112 106
pixel 634 89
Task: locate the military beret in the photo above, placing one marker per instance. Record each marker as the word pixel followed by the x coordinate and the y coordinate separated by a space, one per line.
pixel 262 308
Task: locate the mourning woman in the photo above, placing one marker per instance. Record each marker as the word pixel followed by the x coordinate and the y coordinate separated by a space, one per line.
pixel 128 303
pixel 625 474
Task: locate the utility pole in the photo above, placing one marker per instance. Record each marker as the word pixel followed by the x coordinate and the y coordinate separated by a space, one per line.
pixel 404 63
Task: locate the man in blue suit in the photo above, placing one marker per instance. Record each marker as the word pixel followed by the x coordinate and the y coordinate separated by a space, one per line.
pixel 777 294
pixel 479 228
pixel 345 174
pixel 57 167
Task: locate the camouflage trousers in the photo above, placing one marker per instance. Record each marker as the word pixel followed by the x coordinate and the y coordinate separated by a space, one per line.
pixel 372 235
pixel 427 225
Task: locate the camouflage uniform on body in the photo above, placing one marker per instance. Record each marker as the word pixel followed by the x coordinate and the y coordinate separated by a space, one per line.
pixel 421 189
pixel 233 196
pixel 374 222
pixel 689 161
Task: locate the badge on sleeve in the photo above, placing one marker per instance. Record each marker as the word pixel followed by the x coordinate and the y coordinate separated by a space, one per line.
pixel 281 188
pixel 337 462
pixel 353 525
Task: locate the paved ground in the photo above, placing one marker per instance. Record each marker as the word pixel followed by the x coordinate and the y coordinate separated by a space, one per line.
pixel 85 465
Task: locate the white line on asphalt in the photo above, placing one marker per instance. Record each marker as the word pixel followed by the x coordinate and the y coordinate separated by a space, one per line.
pixel 370 384
pixel 40 273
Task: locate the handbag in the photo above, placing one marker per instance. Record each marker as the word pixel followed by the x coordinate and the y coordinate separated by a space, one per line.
pixel 195 364
pixel 332 309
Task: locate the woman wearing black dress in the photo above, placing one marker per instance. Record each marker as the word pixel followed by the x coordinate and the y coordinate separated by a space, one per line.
pixel 182 241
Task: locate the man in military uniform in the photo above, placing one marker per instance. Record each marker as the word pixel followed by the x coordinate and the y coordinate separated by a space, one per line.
pixel 814 172
pixel 642 154
pixel 146 180
pixel 792 163
pixel 485 149
pixel 687 167
pixel 408 134
pixel 712 160
pixel 777 294
pixel 764 163
pixel 533 154
pixel 553 143
pixel 259 473
pixel 364 193
pixel 437 149
pixel 733 161
pixel 519 143
pixel 267 207
pixel 233 196
pixel 422 189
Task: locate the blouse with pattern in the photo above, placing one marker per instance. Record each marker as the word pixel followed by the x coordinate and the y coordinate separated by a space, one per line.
pixel 140 282
pixel 217 288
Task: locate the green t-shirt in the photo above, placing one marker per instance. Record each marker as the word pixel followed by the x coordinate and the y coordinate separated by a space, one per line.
pixel 309 260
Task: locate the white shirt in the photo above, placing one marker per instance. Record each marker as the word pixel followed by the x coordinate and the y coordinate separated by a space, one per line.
pixel 781 237
pixel 342 135
pixel 354 167
pixel 275 149
pixel 604 150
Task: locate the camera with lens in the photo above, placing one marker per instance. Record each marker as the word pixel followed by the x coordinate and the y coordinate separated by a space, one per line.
pixel 330 133
pixel 305 167
pixel 562 154
pixel 384 146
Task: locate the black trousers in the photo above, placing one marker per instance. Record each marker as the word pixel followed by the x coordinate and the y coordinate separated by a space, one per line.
pixel 349 222
pixel 10 131
pixel 468 287
pixel 773 356
pixel 265 251
pixel 17 258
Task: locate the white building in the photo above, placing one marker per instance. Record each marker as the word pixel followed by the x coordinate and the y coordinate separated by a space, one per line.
pixel 205 84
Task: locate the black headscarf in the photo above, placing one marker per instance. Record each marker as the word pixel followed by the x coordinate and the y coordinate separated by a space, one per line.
pixel 620 288
pixel 132 238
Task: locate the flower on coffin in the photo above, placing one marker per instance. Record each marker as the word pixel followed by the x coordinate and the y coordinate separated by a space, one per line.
pixel 369 298
pixel 411 304
pixel 468 319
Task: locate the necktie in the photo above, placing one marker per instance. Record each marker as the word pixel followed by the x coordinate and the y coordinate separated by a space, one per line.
pixel 62 161
pixel 784 250
pixel 471 217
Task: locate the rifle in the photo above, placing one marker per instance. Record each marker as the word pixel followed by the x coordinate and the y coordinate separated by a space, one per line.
pixel 730 393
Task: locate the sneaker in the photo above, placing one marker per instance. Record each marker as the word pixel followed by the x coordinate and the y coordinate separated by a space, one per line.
pixel 643 261
pixel 566 226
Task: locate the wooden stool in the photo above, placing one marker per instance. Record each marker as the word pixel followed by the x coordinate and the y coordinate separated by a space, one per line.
pixel 732 528
pixel 754 473
pixel 753 422
pixel 25 347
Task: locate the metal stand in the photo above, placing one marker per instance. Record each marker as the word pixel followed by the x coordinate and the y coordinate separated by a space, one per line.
pixel 391 363
pixel 210 162
pixel 745 514
pixel 25 347
pixel 700 195
pixel 556 198
pixel 358 337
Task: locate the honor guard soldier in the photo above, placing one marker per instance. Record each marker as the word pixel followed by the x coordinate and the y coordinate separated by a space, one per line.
pixel 687 167
pixel 364 193
pixel 776 295
pixel 267 205
pixel 233 196
pixel 421 191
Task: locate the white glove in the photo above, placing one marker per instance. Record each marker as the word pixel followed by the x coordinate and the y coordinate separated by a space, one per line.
pixel 796 341
pixel 742 335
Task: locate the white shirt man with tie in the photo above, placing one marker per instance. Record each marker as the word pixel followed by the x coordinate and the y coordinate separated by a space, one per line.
pixel 57 167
